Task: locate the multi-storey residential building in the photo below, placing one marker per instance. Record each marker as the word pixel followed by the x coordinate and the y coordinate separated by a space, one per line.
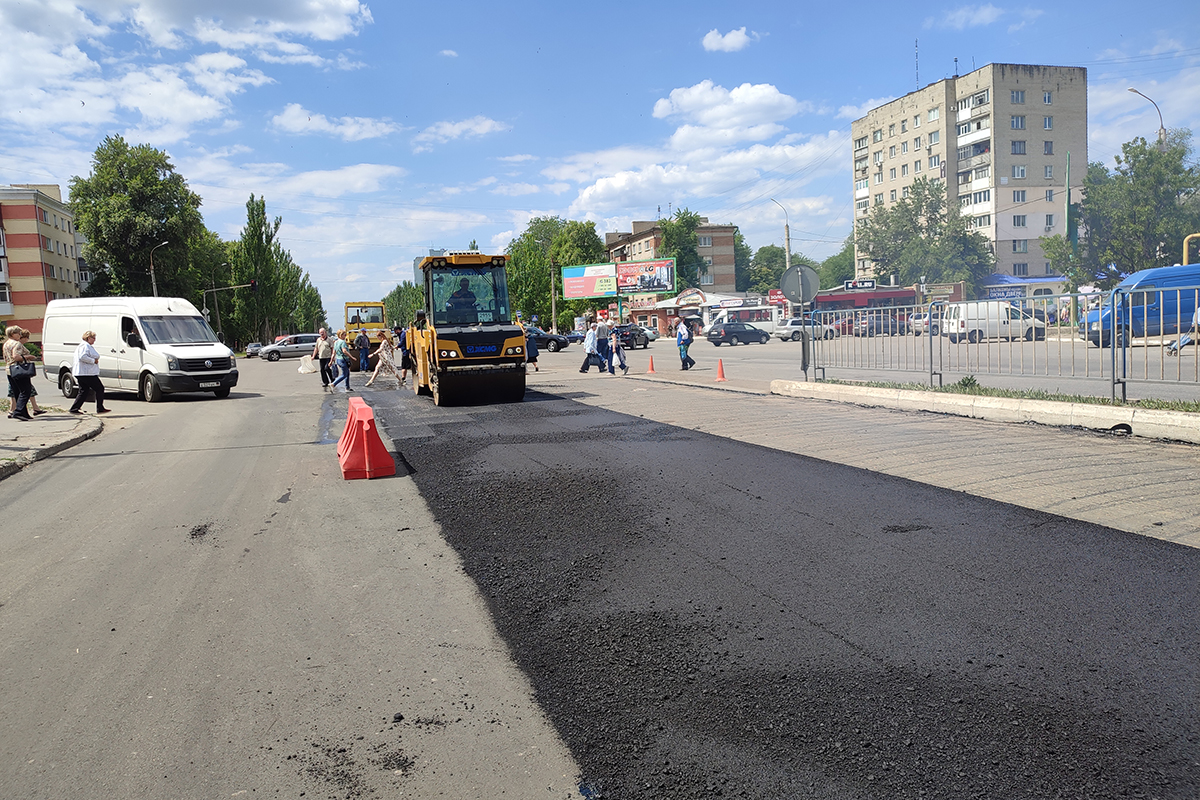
pixel 38 254
pixel 715 248
pixel 999 138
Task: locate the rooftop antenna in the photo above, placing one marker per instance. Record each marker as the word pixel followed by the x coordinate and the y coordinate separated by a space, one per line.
pixel 917 59
pixel 956 66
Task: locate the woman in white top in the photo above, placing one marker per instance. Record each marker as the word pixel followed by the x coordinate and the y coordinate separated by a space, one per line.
pixel 86 369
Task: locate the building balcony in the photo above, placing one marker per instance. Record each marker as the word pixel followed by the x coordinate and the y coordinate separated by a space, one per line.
pixel 6 309
pixel 981 160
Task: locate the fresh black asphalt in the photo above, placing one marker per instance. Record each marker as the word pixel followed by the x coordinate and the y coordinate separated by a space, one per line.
pixel 701 617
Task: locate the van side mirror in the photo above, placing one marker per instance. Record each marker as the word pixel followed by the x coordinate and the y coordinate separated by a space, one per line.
pixel 135 341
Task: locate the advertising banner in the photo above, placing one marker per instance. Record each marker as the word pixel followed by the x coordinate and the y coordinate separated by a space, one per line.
pixel 589 280
pixel 646 276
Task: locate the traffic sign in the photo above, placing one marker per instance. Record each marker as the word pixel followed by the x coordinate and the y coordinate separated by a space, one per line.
pixel 800 283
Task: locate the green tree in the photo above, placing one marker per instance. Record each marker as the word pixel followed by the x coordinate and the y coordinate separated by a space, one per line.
pixel 923 235
pixel 131 202
pixel 742 258
pixel 546 246
pixel 768 266
pixel 402 303
pixel 679 241
pixel 1134 216
pixel 839 267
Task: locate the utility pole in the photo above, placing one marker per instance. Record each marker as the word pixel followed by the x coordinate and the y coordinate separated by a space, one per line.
pixel 1162 131
pixel 153 282
pixel 787 242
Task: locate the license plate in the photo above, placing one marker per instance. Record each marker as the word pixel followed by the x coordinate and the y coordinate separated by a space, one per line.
pixel 209 384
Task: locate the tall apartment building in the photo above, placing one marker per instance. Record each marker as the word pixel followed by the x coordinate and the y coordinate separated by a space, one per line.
pixel 999 137
pixel 38 254
pixel 715 248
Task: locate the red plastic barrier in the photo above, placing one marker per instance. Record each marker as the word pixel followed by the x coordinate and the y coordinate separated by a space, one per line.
pixel 361 453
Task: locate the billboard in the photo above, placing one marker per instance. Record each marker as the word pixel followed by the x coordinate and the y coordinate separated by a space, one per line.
pixel 589 280
pixel 644 277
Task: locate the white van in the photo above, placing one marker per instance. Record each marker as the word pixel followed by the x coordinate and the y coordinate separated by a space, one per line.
pixel 151 345
pixel 764 317
pixel 990 319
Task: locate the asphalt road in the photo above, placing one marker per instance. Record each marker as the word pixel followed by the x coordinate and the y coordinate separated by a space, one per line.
pixel 699 620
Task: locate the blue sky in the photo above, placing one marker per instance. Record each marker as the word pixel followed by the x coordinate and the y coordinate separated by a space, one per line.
pixel 377 131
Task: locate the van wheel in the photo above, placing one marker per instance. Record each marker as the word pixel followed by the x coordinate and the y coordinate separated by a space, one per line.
pixel 953 338
pixel 67 385
pixel 1030 334
pixel 973 337
pixel 934 331
pixel 150 391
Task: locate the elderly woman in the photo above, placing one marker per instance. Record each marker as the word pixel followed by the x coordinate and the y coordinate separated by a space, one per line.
pixel 17 362
pixel 86 369
pixel 32 408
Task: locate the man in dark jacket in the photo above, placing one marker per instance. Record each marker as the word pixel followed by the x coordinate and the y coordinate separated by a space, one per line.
pixel 363 343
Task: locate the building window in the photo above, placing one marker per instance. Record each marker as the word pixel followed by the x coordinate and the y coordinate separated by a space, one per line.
pixel 917 165
pixel 917 143
pixel 903 170
pixel 1018 170
pixel 5 297
pixel 1047 148
pixel 879 199
pixel 861 183
pixel 1019 220
pixel 877 136
pixel 1020 245
pixel 982 222
pixel 892 129
pixel 1018 195
pixel 981 172
pixel 904 126
pixel 935 161
pixel 1018 123
pixel 861 205
pixel 935 137
pixel 708 279
pixel 963 128
pixel 1018 148
pixel 46 243
pixel 981 197
pixel 878 156
pixel 1047 123
pixel 1020 270
pixel 860 143
pixel 892 174
pixel 1049 171
pixel 1049 269
pixel 964 177
pixel 1049 221
pixel 708 261
pixel 934 113
pixel 878 178
pixel 905 191
pixel 892 197
pixel 1018 97
pixel 892 151
pixel 1047 98
pixel 904 147
pixel 704 241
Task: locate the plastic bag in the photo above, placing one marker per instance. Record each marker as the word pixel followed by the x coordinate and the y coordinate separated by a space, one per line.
pixel 307 367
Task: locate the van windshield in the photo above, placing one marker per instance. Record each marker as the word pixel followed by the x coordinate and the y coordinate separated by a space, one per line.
pixel 178 330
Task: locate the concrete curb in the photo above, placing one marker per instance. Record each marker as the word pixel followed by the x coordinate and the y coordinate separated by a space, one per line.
pixel 87 428
pixel 1147 423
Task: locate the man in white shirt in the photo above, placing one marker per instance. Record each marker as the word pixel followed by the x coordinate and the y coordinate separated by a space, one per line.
pixel 589 348
pixel 86 369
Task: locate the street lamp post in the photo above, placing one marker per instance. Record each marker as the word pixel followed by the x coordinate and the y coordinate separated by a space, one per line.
pixel 153 282
pixel 1162 131
pixel 787 241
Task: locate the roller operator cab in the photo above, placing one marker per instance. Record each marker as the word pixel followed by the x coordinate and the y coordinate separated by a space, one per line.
pixel 468 350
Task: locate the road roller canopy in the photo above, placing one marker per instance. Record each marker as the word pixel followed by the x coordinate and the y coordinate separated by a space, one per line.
pixel 468 294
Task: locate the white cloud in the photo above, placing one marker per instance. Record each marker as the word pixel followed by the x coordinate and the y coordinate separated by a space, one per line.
pixel 966 17
pixel 859 111
pixel 442 132
pixel 448 53
pixel 296 119
pixel 730 42
pixel 516 189
pixel 717 107
pixel 518 158
pixel 1027 16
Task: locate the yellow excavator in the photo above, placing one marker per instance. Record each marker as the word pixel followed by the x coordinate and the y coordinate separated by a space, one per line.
pixel 466 348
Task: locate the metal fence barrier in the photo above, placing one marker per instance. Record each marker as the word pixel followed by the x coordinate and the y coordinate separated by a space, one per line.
pixel 1064 335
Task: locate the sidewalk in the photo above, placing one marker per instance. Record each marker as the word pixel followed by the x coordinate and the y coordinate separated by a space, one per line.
pixel 22 443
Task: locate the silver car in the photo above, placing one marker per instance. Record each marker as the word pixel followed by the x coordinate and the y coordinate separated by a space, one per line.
pixel 790 329
pixel 294 346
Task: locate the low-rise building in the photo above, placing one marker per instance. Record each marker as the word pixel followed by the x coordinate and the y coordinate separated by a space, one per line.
pixel 714 246
pixel 39 255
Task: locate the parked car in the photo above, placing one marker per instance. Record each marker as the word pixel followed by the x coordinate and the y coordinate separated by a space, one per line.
pixel 651 334
pixel 923 322
pixel 252 349
pixel 990 319
pixel 790 329
pixel 294 346
pixel 735 333
pixel 878 323
pixel 633 336
pixel 546 340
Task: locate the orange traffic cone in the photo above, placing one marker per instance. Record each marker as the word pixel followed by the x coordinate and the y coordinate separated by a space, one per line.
pixel 651 370
pixel 720 371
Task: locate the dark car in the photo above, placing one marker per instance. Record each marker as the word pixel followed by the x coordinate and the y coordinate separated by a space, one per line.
pixel 575 337
pixel 633 336
pixel 735 333
pixel 880 324
pixel 545 340
pixel 252 349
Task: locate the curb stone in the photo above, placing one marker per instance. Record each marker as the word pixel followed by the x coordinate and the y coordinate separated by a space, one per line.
pixel 1146 423
pixel 91 428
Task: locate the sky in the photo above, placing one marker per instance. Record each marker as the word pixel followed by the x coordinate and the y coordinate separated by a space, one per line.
pixel 377 131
